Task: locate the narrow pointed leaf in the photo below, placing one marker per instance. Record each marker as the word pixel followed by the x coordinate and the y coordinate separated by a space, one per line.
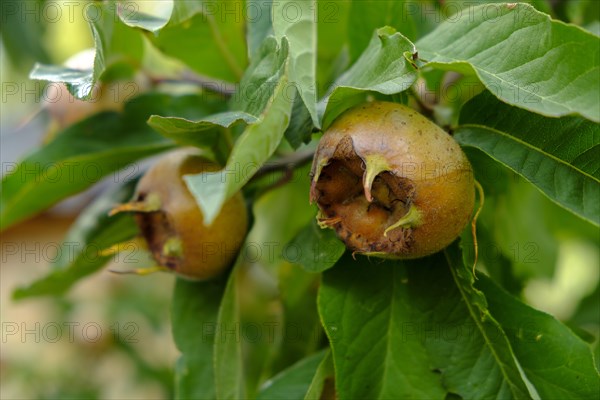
pixel 86 152
pixel 202 133
pixel 252 149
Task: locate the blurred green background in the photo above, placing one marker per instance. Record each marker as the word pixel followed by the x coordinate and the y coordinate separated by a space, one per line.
pixel 110 336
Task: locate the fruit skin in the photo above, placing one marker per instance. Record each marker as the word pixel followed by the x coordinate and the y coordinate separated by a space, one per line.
pixel 391 183
pixel 175 233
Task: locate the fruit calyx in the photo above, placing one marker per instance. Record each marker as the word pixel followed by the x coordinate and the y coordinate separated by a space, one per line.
pixel 172 224
pixel 390 182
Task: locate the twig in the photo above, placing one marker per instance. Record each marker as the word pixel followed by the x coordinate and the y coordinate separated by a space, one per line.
pixel 286 163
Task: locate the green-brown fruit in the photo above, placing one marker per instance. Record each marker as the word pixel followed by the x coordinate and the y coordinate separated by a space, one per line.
pixel 172 224
pixel 391 183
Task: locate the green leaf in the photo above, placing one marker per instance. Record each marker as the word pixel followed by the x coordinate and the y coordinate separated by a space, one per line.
pixel 92 232
pixel 556 361
pixel 262 77
pixel 194 318
pixel 561 157
pixel 86 152
pixel 258 25
pixel 148 15
pixel 252 149
pixel 211 42
pixel 294 382
pixel 383 67
pixel 318 249
pixel 301 125
pixel 493 338
pixel 522 56
pixel 115 43
pixel 303 334
pixel 296 20
pixel 228 358
pixel 203 133
pixel 414 329
pixel 369 15
pixel 270 251
pixel 325 371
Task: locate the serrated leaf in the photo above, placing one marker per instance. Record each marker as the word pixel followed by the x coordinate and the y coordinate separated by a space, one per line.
pixel 561 157
pixel 522 56
pixel 413 330
pixel 382 67
pixel 194 324
pixel 301 33
pixel 556 361
pixel 294 382
pixel 86 152
pixel 208 37
pixel 252 149
pixel 114 41
pixel 318 249
pixel 92 232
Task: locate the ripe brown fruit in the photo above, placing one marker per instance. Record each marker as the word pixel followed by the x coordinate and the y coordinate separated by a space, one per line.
pixel 391 183
pixel 172 224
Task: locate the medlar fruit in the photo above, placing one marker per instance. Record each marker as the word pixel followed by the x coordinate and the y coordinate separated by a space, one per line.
pixel 391 183
pixel 172 224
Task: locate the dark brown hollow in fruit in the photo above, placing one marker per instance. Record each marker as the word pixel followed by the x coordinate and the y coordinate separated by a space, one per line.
pixel 174 228
pixel 391 182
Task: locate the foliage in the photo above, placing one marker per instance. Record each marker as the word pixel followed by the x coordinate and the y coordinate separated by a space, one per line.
pixel 518 88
